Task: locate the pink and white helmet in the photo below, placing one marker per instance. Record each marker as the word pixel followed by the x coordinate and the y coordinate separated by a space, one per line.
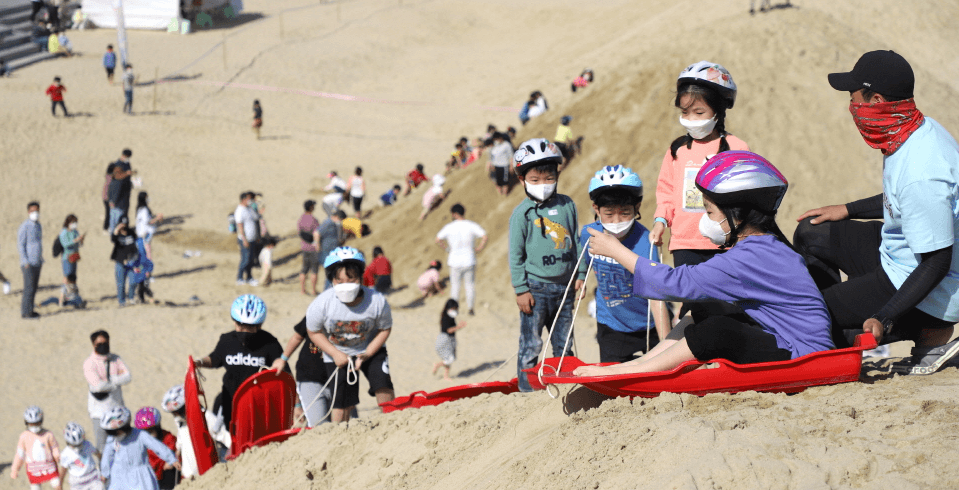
pixel 174 399
pixel 116 418
pixel 712 75
pixel 146 418
pixel 742 178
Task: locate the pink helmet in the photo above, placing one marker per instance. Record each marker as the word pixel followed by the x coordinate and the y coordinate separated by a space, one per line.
pixel 742 178
pixel 146 418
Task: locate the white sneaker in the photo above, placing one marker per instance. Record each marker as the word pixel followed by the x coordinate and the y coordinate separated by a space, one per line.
pixel 253 282
pixel 240 282
pixel 6 288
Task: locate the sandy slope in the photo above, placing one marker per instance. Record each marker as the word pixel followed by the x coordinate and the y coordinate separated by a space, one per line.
pixel 427 73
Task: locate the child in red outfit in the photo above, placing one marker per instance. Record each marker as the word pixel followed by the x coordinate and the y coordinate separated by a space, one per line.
pixel 55 92
pixel 38 450
pixel 379 274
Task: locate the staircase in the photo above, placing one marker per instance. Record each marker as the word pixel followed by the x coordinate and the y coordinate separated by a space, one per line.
pixel 15 46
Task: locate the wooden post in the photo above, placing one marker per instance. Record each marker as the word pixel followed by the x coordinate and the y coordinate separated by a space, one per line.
pixel 156 81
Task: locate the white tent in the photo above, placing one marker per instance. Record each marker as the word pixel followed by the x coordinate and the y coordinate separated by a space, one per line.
pixel 145 14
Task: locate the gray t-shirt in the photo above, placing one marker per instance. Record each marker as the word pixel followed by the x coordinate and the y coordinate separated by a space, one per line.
pixel 349 328
pixel 330 237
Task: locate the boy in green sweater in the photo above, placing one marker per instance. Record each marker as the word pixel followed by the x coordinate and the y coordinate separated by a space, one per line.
pixel 543 251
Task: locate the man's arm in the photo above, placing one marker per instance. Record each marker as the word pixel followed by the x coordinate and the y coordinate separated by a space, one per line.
pixel 868 208
pixel 932 269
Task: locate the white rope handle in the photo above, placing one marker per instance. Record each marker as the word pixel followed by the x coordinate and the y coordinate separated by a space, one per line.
pixel 649 303
pixel 334 378
pixel 549 336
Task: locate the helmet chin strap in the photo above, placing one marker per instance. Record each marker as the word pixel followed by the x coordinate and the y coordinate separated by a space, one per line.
pixel 733 232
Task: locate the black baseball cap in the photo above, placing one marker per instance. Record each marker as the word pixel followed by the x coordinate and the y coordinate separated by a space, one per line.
pixel 883 72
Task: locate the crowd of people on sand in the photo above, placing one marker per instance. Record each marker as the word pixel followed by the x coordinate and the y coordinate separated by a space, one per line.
pixel 745 292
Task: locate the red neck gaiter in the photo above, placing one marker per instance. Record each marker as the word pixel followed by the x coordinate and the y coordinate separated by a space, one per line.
pixel 886 125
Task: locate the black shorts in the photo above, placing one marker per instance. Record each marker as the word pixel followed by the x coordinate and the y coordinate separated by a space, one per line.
pixel 501 175
pixel 109 72
pixel 357 203
pixel 721 337
pixel 383 283
pixel 377 372
pixel 311 262
pixel 853 247
pixel 616 346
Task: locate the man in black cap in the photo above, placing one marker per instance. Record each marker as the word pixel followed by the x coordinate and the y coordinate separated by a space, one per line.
pixel 903 272
pixel 308 228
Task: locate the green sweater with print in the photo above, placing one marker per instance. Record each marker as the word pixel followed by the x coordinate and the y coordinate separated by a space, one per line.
pixel 543 245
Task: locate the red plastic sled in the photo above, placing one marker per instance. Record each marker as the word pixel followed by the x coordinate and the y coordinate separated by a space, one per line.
pixel 722 376
pixel 421 398
pixel 569 364
pixel 262 411
pixel 203 446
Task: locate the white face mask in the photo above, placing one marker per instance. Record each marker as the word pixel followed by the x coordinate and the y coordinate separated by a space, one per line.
pixel 540 192
pixel 346 292
pixel 73 226
pixel 452 313
pixel 34 215
pixel 34 428
pixel 619 230
pixel 698 129
pixel 712 230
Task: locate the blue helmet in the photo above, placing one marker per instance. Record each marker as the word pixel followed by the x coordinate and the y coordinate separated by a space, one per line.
pixel 344 254
pixel 615 177
pixel 249 309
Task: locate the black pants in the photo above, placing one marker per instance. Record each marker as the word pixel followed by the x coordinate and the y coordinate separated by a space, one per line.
pixel 106 215
pixel 722 337
pixel 616 346
pixel 702 310
pixel 53 107
pixel 853 247
pixel 36 8
pixel 31 282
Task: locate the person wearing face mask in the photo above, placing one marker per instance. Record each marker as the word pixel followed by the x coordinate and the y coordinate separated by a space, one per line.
pixel 30 247
pixel 543 252
pixel 174 401
pixel 446 340
pixel 70 240
pixel 125 462
pixel 242 351
pixel 350 324
pixel 621 316
pixel 786 316
pixel 105 374
pixel 704 92
pixel 903 271
pixel 126 258
pixel 37 449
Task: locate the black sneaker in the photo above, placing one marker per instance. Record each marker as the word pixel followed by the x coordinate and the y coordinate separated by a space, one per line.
pixel 927 360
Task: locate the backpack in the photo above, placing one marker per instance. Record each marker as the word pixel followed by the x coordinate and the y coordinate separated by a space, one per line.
pixel 231 223
pixel 57 247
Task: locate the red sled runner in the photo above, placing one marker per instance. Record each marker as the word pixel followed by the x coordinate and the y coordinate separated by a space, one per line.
pixel 718 375
pixel 203 446
pixel 422 399
pixel 262 411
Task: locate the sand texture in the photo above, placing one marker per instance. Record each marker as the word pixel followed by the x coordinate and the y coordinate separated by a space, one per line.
pixel 388 83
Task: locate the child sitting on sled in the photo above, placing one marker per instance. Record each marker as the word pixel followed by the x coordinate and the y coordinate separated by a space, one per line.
pixel 786 315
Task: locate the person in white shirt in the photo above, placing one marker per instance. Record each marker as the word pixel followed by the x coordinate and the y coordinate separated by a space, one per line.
pixel 500 156
pixel 459 239
pixel 248 237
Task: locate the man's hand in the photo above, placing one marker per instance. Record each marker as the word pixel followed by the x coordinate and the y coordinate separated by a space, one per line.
pixel 525 302
pixel 278 364
pixel 874 327
pixel 836 212
pixel 656 234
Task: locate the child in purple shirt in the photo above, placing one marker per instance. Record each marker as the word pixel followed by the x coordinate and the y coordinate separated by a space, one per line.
pixel 787 317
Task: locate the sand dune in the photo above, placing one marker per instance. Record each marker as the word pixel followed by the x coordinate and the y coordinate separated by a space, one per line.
pixel 421 74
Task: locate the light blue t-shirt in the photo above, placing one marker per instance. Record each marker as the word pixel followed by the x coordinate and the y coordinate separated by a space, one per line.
pixel 920 184
pixel 616 305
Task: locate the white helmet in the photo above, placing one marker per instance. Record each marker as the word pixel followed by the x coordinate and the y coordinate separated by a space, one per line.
pixel 174 399
pixel 711 75
pixel 248 309
pixel 73 434
pixel 534 153
pixel 116 418
pixel 439 180
pixel 33 415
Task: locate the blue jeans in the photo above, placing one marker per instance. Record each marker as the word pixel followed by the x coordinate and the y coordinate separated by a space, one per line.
pixel 124 276
pixel 115 215
pixel 547 297
pixel 245 271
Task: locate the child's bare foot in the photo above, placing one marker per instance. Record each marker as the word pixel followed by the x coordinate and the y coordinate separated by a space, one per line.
pixel 436 367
